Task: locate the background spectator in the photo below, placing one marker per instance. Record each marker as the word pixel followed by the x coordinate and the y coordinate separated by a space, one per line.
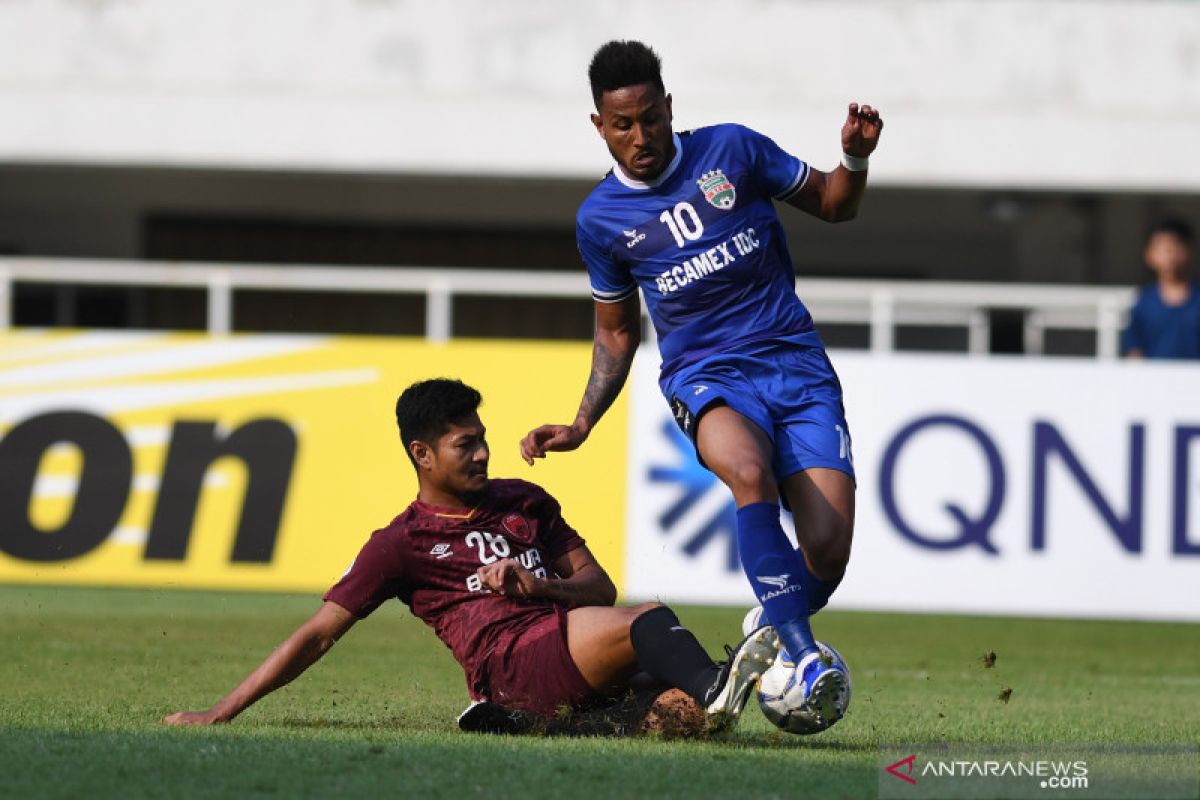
pixel 1165 320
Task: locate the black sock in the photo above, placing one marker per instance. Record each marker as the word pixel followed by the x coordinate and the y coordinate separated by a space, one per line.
pixel 672 654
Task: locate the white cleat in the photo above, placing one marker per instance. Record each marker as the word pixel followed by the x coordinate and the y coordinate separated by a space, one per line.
pixel 747 662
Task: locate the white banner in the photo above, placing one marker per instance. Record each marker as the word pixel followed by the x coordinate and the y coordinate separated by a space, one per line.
pixel 1047 487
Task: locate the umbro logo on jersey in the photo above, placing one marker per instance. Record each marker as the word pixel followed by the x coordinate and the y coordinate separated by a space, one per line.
pixel 441 550
pixel 778 581
pixel 634 237
pixel 718 190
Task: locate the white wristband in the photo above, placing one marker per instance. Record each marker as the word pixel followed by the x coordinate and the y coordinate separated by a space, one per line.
pixel 854 163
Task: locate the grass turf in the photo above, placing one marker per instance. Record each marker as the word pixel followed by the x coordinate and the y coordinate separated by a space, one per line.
pixel 87 675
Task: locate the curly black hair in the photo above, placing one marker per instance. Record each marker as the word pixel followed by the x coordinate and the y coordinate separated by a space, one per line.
pixel 1174 226
pixel 425 410
pixel 623 63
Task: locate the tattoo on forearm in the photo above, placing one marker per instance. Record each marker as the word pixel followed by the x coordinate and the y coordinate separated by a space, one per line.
pixel 609 371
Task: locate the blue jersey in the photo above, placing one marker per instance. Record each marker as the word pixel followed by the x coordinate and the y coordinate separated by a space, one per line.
pixel 703 242
pixel 1162 331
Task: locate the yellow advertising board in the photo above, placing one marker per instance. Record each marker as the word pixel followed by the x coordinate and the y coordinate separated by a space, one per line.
pixel 258 461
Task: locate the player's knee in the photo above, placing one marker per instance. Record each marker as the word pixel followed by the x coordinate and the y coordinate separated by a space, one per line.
pixel 637 623
pixel 638 610
pixel 634 613
pixel 751 481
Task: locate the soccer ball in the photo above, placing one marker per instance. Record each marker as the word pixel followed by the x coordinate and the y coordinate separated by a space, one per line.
pixel 781 696
pixel 779 693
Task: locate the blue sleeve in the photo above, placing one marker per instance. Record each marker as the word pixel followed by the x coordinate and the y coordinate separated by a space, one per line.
pixel 1132 337
pixel 611 283
pixel 779 173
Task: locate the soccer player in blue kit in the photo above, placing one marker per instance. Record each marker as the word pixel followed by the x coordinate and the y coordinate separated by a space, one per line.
pixel 688 218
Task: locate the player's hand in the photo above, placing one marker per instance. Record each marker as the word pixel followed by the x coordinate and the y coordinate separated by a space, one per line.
pixel 860 133
pixel 194 718
pixel 550 437
pixel 509 578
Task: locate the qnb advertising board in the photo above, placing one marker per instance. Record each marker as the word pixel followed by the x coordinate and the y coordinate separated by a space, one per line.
pixel 258 462
pixel 1016 486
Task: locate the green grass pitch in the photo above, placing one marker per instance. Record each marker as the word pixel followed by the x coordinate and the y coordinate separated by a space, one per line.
pixel 88 673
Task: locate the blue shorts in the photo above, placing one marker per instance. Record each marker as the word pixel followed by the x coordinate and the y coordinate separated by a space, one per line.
pixel 787 389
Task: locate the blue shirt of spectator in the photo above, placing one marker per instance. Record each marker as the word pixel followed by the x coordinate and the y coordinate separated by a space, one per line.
pixel 1159 330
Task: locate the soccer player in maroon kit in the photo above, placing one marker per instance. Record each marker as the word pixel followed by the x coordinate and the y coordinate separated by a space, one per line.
pixel 508 586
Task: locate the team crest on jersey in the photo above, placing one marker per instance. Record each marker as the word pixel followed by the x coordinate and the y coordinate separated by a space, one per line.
pixel 718 191
pixel 516 525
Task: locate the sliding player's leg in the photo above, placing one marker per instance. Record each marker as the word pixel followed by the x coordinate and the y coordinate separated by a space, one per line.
pixel 599 643
pixel 570 659
pixel 609 644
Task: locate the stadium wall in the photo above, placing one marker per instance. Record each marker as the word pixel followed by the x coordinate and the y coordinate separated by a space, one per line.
pixel 1033 486
pixel 1010 93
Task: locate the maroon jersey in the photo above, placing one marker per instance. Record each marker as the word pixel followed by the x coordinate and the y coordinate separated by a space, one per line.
pixel 427 557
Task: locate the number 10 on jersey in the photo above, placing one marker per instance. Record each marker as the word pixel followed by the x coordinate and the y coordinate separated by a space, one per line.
pixel 683 222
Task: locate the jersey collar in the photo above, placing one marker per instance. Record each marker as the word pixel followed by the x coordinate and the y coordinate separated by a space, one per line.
pixel 662 177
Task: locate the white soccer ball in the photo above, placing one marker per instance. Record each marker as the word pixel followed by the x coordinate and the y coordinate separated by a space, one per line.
pixel 781 696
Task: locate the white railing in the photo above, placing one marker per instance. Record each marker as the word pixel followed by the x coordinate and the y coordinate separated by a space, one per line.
pixel 881 305
pixel 885 304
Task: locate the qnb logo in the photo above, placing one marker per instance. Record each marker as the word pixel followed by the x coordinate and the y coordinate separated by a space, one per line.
pixel 778 581
pixel 904 769
pixel 1120 502
pixel 634 237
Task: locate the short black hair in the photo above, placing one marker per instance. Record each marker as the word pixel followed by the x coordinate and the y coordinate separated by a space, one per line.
pixel 425 410
pixel 623 63
pixel 1174 226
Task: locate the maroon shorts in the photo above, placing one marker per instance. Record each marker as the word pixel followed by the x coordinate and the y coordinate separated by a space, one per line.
pixel 532 669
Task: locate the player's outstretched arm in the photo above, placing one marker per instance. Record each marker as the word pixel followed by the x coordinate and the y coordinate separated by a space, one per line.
pixel 298 652
pixel 835 196
pixel 618 333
